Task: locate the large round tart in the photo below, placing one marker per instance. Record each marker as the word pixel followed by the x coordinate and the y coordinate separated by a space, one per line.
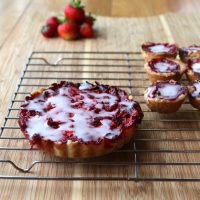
pixel 79 120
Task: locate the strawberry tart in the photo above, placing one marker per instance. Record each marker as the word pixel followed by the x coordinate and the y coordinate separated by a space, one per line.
pixel 164 69
pixel 165 96
pixel 189 53
pixel 76 120
pixel 152 50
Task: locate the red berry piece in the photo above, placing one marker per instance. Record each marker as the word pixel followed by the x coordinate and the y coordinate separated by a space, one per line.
pixel 89 20
pixel 54 124
pixel 68 30
pixel 49 31
pixel 74 11
pixel 86 30
pixel 53 21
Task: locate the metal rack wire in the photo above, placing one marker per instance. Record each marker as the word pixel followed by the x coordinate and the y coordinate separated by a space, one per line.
pixel 165 147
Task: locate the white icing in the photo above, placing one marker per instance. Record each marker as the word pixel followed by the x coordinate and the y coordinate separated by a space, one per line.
pixel 82 127
pixel 194 48
pixel 84 85
pixel 164 67
pixel 159 48
pixel 169 90
pixel 196 67
pixel 196 93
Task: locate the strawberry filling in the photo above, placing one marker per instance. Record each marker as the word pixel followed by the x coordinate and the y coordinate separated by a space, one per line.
pixel 164 65
pixel 78 112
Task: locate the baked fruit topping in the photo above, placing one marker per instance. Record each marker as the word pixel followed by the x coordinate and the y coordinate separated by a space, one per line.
pixel 164 69
pixel 165 96
pixel 152 50
pixel 193 69
pixel 194 94
pixel 79 120
pixel 189 53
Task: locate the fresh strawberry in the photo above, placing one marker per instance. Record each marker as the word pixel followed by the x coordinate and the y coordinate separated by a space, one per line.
pixel 68 30
pixel 49 31
pixel 86 30
pixel 89 19
pixel 74 11
pixel 53 21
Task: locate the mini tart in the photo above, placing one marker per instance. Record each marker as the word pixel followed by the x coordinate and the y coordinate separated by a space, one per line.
pixel 76 120
pixel 165 96
pixel 164 69
pixel 193 70
pixel 189 53
pixel 194 94
pixel 152 50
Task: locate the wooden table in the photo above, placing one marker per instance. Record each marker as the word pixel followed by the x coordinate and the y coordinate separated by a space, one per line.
pixel 20 35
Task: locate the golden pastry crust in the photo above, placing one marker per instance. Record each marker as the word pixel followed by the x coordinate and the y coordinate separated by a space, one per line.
pixel 76 149
pixel 165 106
pixel 149 55
pixel 156 76
pixel 79 149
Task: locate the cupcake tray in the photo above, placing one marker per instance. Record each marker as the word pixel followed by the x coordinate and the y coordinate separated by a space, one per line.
pixel 166 147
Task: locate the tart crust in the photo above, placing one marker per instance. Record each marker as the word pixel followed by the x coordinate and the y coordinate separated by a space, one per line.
pixel 80 149
pixel 76 149
pixel 165 106
pixel 148 55
pixel 156 76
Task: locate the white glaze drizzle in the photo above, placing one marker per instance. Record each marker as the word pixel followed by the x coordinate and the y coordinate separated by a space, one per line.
pixel 159 48
pixel 196 67
pixel 193 48
pixel 85 85
pixel 82 127
pixel 167 91
pixel 164 67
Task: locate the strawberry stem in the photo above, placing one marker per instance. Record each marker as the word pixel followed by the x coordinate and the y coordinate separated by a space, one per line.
pixel 76 3
pixel 61 19
pixel 93 18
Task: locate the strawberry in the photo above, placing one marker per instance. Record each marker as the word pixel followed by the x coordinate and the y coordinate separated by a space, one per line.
pixel 86 30
pixel 74 11
pixel 49 31
pixel 89 19
pixel 53 21
pixel 68 30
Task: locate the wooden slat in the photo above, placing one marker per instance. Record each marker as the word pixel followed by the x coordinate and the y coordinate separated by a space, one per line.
pixel 10 14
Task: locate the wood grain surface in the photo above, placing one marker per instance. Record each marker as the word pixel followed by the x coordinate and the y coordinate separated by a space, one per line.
pixel 140 8
pixel 22 36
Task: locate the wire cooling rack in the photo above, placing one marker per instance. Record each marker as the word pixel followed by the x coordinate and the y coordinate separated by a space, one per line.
pixel 166 147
